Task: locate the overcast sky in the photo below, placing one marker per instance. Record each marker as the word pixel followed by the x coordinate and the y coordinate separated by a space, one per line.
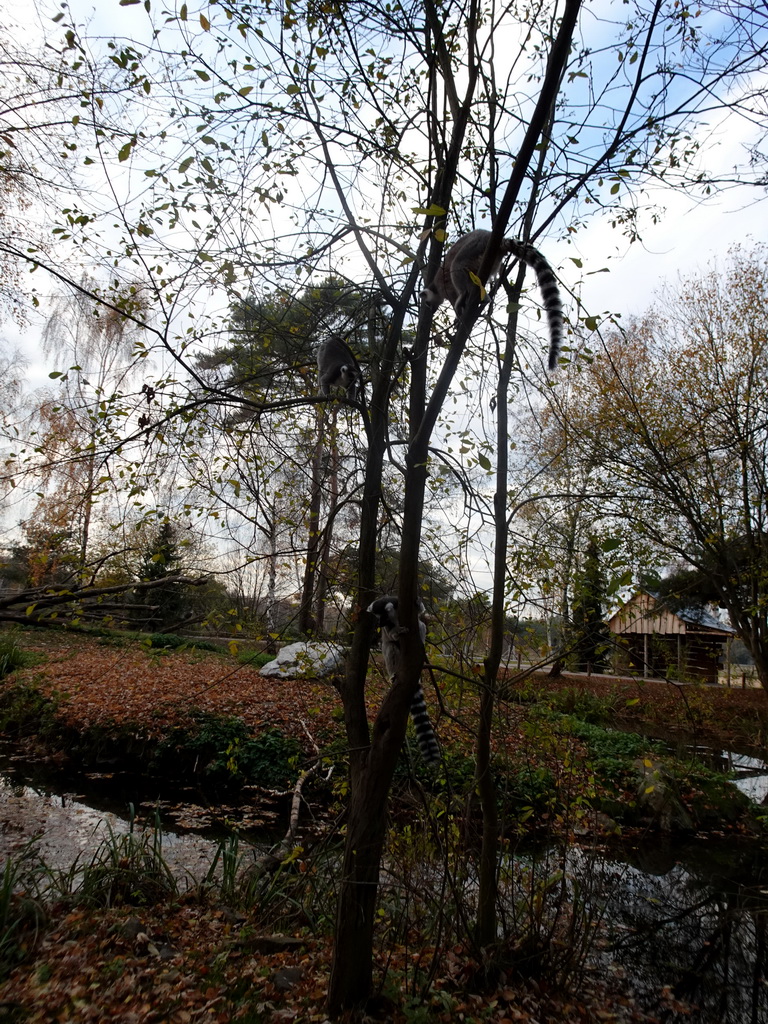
pixel 690 235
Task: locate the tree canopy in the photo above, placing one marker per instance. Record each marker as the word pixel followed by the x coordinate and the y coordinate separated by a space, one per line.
pixel 672 416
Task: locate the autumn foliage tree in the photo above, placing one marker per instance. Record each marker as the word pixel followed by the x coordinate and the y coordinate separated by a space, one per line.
pixel 672 413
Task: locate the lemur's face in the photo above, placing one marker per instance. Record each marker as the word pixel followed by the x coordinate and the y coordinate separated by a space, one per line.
pixel 431 297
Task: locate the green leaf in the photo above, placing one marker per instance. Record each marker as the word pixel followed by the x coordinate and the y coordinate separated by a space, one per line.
pixel 245 90
pixel 125 151
pixel 591 322
pixel 185 165
pixel 203 75
pixel 476 280
pixel 484 461
pixel 430 211
pixel 576 260
pixel 293 89
pixel 183 12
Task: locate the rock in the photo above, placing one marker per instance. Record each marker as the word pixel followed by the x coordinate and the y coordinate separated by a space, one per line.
pixel 287 978
pixel 309 659
pixel 658 799
pixel 131 929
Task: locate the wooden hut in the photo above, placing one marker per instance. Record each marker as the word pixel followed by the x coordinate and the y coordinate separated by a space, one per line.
pixel 659 643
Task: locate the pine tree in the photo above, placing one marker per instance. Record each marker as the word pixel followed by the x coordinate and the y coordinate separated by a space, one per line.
pixel 589 634
pixel 166 604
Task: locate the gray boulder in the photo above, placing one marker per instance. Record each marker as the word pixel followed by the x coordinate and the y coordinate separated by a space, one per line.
pixel 308 659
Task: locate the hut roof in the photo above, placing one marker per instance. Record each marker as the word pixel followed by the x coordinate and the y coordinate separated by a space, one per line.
pixel 641 615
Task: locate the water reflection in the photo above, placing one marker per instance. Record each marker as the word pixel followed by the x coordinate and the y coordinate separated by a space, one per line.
pixel 69 829
pixel 751 775
pixel 685 922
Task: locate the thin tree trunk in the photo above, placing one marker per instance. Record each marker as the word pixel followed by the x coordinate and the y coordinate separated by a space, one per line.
pixel 271 610
pixel 326 540
pixel 305 623
pixel 351 971
pixel 485 785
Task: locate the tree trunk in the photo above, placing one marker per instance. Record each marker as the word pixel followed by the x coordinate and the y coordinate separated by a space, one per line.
pixel 371 773
pixel 371 763
pixel 485 932
pixel 326 540
pixel 305 623
pixel 371 768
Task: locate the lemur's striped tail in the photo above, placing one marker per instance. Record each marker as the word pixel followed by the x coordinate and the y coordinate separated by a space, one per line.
pixel 385 610
pixel 550 292
pixel 425 734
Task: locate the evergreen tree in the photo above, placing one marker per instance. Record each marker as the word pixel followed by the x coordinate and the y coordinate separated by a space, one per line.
pixel 166 605
pixel 589 633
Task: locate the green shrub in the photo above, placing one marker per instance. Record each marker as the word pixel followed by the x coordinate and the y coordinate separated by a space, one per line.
pixel 127 870
pixel 269 759
pixel 529 787
pixel 172 642
pixel 589 707
pixel 223 749
pixel 24 710
pixel 611 743
pixel 12 656
pixel 255 658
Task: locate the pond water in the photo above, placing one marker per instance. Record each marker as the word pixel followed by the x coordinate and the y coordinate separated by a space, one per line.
pixel 686 920
pixel 69 827
pixel 72 813
pixel 751 775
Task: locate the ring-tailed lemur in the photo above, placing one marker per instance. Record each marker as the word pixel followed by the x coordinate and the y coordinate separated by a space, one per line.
pixel 385 610
pixel 337 367
pixel 452 280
